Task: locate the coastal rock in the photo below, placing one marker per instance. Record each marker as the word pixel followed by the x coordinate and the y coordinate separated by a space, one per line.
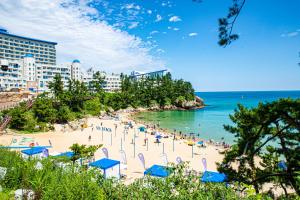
pixel 190 105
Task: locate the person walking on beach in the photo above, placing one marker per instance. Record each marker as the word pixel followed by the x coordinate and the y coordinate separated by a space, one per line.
pixel 90 138
pixel 145 141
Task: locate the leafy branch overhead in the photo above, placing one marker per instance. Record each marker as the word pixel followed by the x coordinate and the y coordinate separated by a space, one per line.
pixel 226 24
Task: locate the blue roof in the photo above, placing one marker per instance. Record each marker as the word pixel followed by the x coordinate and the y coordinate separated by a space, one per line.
pixel 216 177
pixel 158 170
pixel 68 154
pixel 4 32
pixel 34 150
pixel 76 61
pixel 104 163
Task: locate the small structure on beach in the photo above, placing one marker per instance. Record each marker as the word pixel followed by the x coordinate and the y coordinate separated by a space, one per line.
pixel 35 152
pixel 110 168
pixel 158 171
pixel 68 154
pixel 214 177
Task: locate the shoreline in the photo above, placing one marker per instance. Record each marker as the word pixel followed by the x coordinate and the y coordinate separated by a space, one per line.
pixel 61 139
pixel 182 135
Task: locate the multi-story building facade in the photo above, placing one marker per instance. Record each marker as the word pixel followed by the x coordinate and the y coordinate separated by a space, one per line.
pixel 13 47
pixel 30 64
pixel 112 82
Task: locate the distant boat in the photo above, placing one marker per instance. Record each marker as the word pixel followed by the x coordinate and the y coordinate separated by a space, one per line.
pixel 242 96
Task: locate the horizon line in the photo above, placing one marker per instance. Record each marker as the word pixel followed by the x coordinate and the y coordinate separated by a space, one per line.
pixel 298 90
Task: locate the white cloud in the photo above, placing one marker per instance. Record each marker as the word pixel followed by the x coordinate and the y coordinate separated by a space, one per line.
pixel 176 29
pixel 133 25
pixel 158 18
pixel 169 27
pixel 193 34
pixel 149 12
pixel 175 19
pixel 291 34
pixel 160 51
pixel 132 6
pixel 94 42
pixel 153 32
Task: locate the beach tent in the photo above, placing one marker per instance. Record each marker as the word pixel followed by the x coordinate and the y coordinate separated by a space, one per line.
pixel 158 171
pixel 35 152
pixel 215 177
pixel 67 154
pixel 110 168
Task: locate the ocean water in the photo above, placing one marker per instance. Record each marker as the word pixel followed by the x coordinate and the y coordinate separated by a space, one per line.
pixel 207 123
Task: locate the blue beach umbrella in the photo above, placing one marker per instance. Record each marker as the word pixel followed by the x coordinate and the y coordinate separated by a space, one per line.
pixel 158 136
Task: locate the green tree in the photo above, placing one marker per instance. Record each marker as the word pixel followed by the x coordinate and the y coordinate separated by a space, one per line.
pixel 83 152
pixel 265 136
pixel 97 84
pixel 56 86
pixel 64 114
pixel 44 110
pixel 92 106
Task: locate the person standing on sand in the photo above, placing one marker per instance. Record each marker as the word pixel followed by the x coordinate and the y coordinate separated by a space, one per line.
pixel 90 138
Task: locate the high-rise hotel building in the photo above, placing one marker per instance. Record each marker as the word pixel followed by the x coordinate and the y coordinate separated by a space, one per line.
pixel 14 47
pixel 30 64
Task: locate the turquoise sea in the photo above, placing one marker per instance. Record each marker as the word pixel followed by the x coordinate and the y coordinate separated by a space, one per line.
pixel 208 122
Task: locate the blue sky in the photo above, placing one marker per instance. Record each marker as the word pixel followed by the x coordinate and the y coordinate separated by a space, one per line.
pixel 179 35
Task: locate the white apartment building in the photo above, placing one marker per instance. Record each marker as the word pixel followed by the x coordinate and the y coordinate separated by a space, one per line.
pixel 26 74
pixel 112 82
pixel 30 64
pixel 13 47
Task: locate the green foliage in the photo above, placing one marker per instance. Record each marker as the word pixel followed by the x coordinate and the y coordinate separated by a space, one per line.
pixel 64 114
pixel 63 105
pixel 92 106
pixel 83 152
pixel 44 110
pixel 161 89
pixel 49 182
pixel 97 84
pixel 56 86
pixel 264 136
pixel 81 183
pixel 226 24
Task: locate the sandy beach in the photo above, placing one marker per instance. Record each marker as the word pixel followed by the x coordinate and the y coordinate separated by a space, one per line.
pixel 61 141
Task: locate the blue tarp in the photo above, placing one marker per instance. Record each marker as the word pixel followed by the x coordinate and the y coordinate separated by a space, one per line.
pixel 104 163
pixel 158 170
pixel 216 177
pixel 34 150
pixel 68 154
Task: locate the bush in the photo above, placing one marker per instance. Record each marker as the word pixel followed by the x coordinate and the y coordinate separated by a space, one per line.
pixel 92 106
pixel 54 182
pixel 64 114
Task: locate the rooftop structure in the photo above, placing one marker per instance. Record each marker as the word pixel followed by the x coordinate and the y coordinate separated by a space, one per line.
pixel 140 75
